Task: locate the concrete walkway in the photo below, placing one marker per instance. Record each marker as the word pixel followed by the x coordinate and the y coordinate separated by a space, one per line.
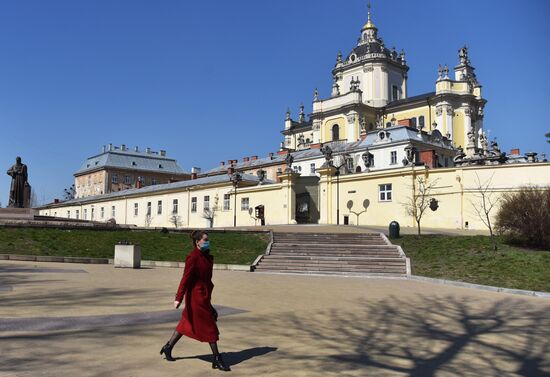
pixel 320 228
pixel 94 320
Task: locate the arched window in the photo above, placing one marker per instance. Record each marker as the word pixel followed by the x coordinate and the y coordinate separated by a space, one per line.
pixel 335 132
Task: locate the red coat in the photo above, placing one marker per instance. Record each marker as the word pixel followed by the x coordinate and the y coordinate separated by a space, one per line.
pixel 197 320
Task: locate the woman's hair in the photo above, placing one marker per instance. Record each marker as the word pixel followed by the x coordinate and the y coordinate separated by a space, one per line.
pixel 196 236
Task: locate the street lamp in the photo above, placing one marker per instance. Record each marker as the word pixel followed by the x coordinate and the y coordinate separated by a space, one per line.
pixel 337 174
pixel 235 178
pixel 327 152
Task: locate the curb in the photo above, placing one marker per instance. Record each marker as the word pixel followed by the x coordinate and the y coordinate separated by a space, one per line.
pixel 480 286
pixel 145 263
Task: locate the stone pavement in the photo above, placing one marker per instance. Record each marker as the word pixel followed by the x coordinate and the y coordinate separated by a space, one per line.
pixel 95 320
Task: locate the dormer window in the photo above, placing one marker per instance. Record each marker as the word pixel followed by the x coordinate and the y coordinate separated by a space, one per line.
pixel 160 166
pixel 134 163
pixel 352 57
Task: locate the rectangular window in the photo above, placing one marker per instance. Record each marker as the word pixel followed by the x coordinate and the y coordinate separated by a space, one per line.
pixel 85 217
pixel 102 212
pixel 127 180
pixel 114 178
pixel 421 121
pixel 92 217
pixel 312 168
pixel 206 202
pixel 113 212
pixel 226 202
pixel 385 192
pixel 148 213
pixel 154 181
pixel 393 157
pixel 194 204
pixel 175 206
pixel 159 207
pixel 395 93
pixel 136 209
pixel 413 122
pixel 68 214
pixel 244 204
pixel 77 214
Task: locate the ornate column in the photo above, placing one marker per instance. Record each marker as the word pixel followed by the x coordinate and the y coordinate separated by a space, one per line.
pixel 449 114
pixel 438 116
pixel 352 127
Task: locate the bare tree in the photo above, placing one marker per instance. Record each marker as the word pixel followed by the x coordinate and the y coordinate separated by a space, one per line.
pixel 176 220
pixel 148 220
pixel 419 201
pixel 484 203
pixel 210 212
pixel 69 193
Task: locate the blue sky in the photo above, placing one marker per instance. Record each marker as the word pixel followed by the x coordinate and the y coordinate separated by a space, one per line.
pixel 211 80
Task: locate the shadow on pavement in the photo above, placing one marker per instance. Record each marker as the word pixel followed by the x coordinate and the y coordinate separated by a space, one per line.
pixel 234 358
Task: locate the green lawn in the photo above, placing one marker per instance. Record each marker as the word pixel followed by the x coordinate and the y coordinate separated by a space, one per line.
pixel 471 259
pixel 234 248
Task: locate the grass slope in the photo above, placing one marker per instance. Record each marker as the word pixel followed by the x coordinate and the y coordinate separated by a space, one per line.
pixel 234 248
pixel 471 259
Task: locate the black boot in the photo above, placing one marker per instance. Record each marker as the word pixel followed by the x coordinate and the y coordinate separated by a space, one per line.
pixel 219 364
pixel 167 348
pixel 167 351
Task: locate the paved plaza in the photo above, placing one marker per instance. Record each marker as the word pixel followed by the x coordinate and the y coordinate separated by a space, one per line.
pixel 95 320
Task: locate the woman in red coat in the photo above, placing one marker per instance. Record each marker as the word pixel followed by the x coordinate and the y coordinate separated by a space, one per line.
pixel 198 320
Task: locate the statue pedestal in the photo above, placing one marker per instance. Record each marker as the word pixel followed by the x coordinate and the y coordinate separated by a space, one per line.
pixel 17 213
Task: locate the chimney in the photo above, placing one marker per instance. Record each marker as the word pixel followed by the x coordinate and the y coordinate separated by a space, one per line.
pixel 404 122
pixel 163 153
pixel 110 146
pixel 429 158
pixel 195 170
pixel 230 170
pixel 136 149
pixel 515 152
pixel 193 175
pixel 103 149
pixel 283 152
pixel 315 146
pixel 147 150
pixel 271 155
pixel 254 158
pixel 245 159
pixel 123 147
pixel 222 163
pixel 55 201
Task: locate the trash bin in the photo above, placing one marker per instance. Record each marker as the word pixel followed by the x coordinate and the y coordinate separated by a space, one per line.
pixel 394 229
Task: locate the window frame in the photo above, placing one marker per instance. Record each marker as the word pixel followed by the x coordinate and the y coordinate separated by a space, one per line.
pixel 383 190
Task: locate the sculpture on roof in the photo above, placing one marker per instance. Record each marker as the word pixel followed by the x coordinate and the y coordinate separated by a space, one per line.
pixel 289 159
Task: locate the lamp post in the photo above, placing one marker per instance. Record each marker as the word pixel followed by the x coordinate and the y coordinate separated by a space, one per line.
pixel 337 174
pixel 235 178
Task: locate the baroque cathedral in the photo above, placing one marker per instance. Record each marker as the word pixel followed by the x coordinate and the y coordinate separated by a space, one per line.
pixel 369 92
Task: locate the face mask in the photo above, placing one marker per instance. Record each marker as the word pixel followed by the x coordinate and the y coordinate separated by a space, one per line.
pixel 205 246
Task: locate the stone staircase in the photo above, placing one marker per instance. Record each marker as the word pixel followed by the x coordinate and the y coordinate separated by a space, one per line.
pixel 370 254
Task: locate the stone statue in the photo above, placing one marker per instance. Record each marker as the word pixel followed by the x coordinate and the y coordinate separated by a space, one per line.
pixel 410 155
pixel 463 55
pixel 495 148
pixel 20 189
pixel 289 160
pixel 367 158
pixel 262 174
pixel 327 152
